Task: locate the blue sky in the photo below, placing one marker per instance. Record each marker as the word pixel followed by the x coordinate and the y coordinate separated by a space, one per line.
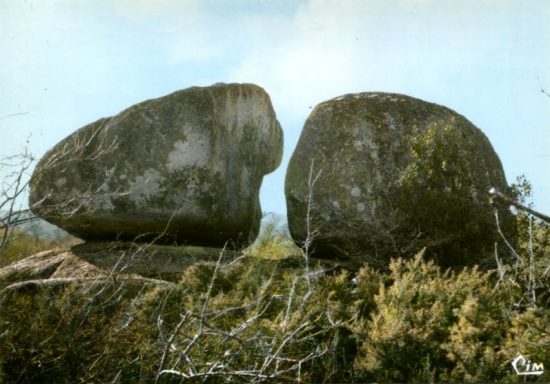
pixel 65 63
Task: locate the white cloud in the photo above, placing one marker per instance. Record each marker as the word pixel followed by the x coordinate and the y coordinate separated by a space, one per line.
pixel 332 47
pixel 158 15
pixel 477 57
pixel 72 62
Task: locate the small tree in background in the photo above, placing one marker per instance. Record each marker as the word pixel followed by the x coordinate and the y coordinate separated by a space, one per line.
pixel 16 170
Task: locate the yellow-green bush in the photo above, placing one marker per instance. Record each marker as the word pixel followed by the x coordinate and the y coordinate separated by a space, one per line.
pixel 526 276
pixel 273 243
pixel 249 318
pixel 259 319
pixel 62 333
pixel 530 336
pixel 21 244
pixel 422 319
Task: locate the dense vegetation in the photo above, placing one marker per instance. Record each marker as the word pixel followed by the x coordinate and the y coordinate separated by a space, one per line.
pixel 22 244
pixel 273 315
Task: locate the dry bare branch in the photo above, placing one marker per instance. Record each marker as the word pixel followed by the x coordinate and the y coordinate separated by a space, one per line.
pixel 496 194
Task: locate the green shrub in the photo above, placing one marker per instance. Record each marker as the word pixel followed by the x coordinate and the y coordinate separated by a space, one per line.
pixel 260 319
pixel 61 333
pixel 243 320
pixel 273 243
pixel 431 326
pixel 20 244
pixel 526 276
pixel 530 336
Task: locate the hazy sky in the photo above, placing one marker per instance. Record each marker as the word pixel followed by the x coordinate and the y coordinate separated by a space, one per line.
pixel 66 63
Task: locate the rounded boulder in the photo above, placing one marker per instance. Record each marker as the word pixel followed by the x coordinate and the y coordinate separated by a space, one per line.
pixel 183 168
pixel 378 175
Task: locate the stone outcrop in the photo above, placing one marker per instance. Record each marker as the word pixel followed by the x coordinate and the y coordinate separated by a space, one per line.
pixel 183 168
pixel 95 262
pixel 385 175
pixel 117 263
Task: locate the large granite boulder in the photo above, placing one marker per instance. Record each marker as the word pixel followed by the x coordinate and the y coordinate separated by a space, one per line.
pixel 182 168
pixel 378 175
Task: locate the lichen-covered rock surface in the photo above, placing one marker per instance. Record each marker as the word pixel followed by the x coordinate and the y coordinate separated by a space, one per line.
pixel 185 168
pixel 97 261
pixel 386 175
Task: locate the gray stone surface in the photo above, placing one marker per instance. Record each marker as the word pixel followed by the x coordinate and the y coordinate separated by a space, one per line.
pixel 110 263
pixel 96 260
pixel 395 174
pixel 185 168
